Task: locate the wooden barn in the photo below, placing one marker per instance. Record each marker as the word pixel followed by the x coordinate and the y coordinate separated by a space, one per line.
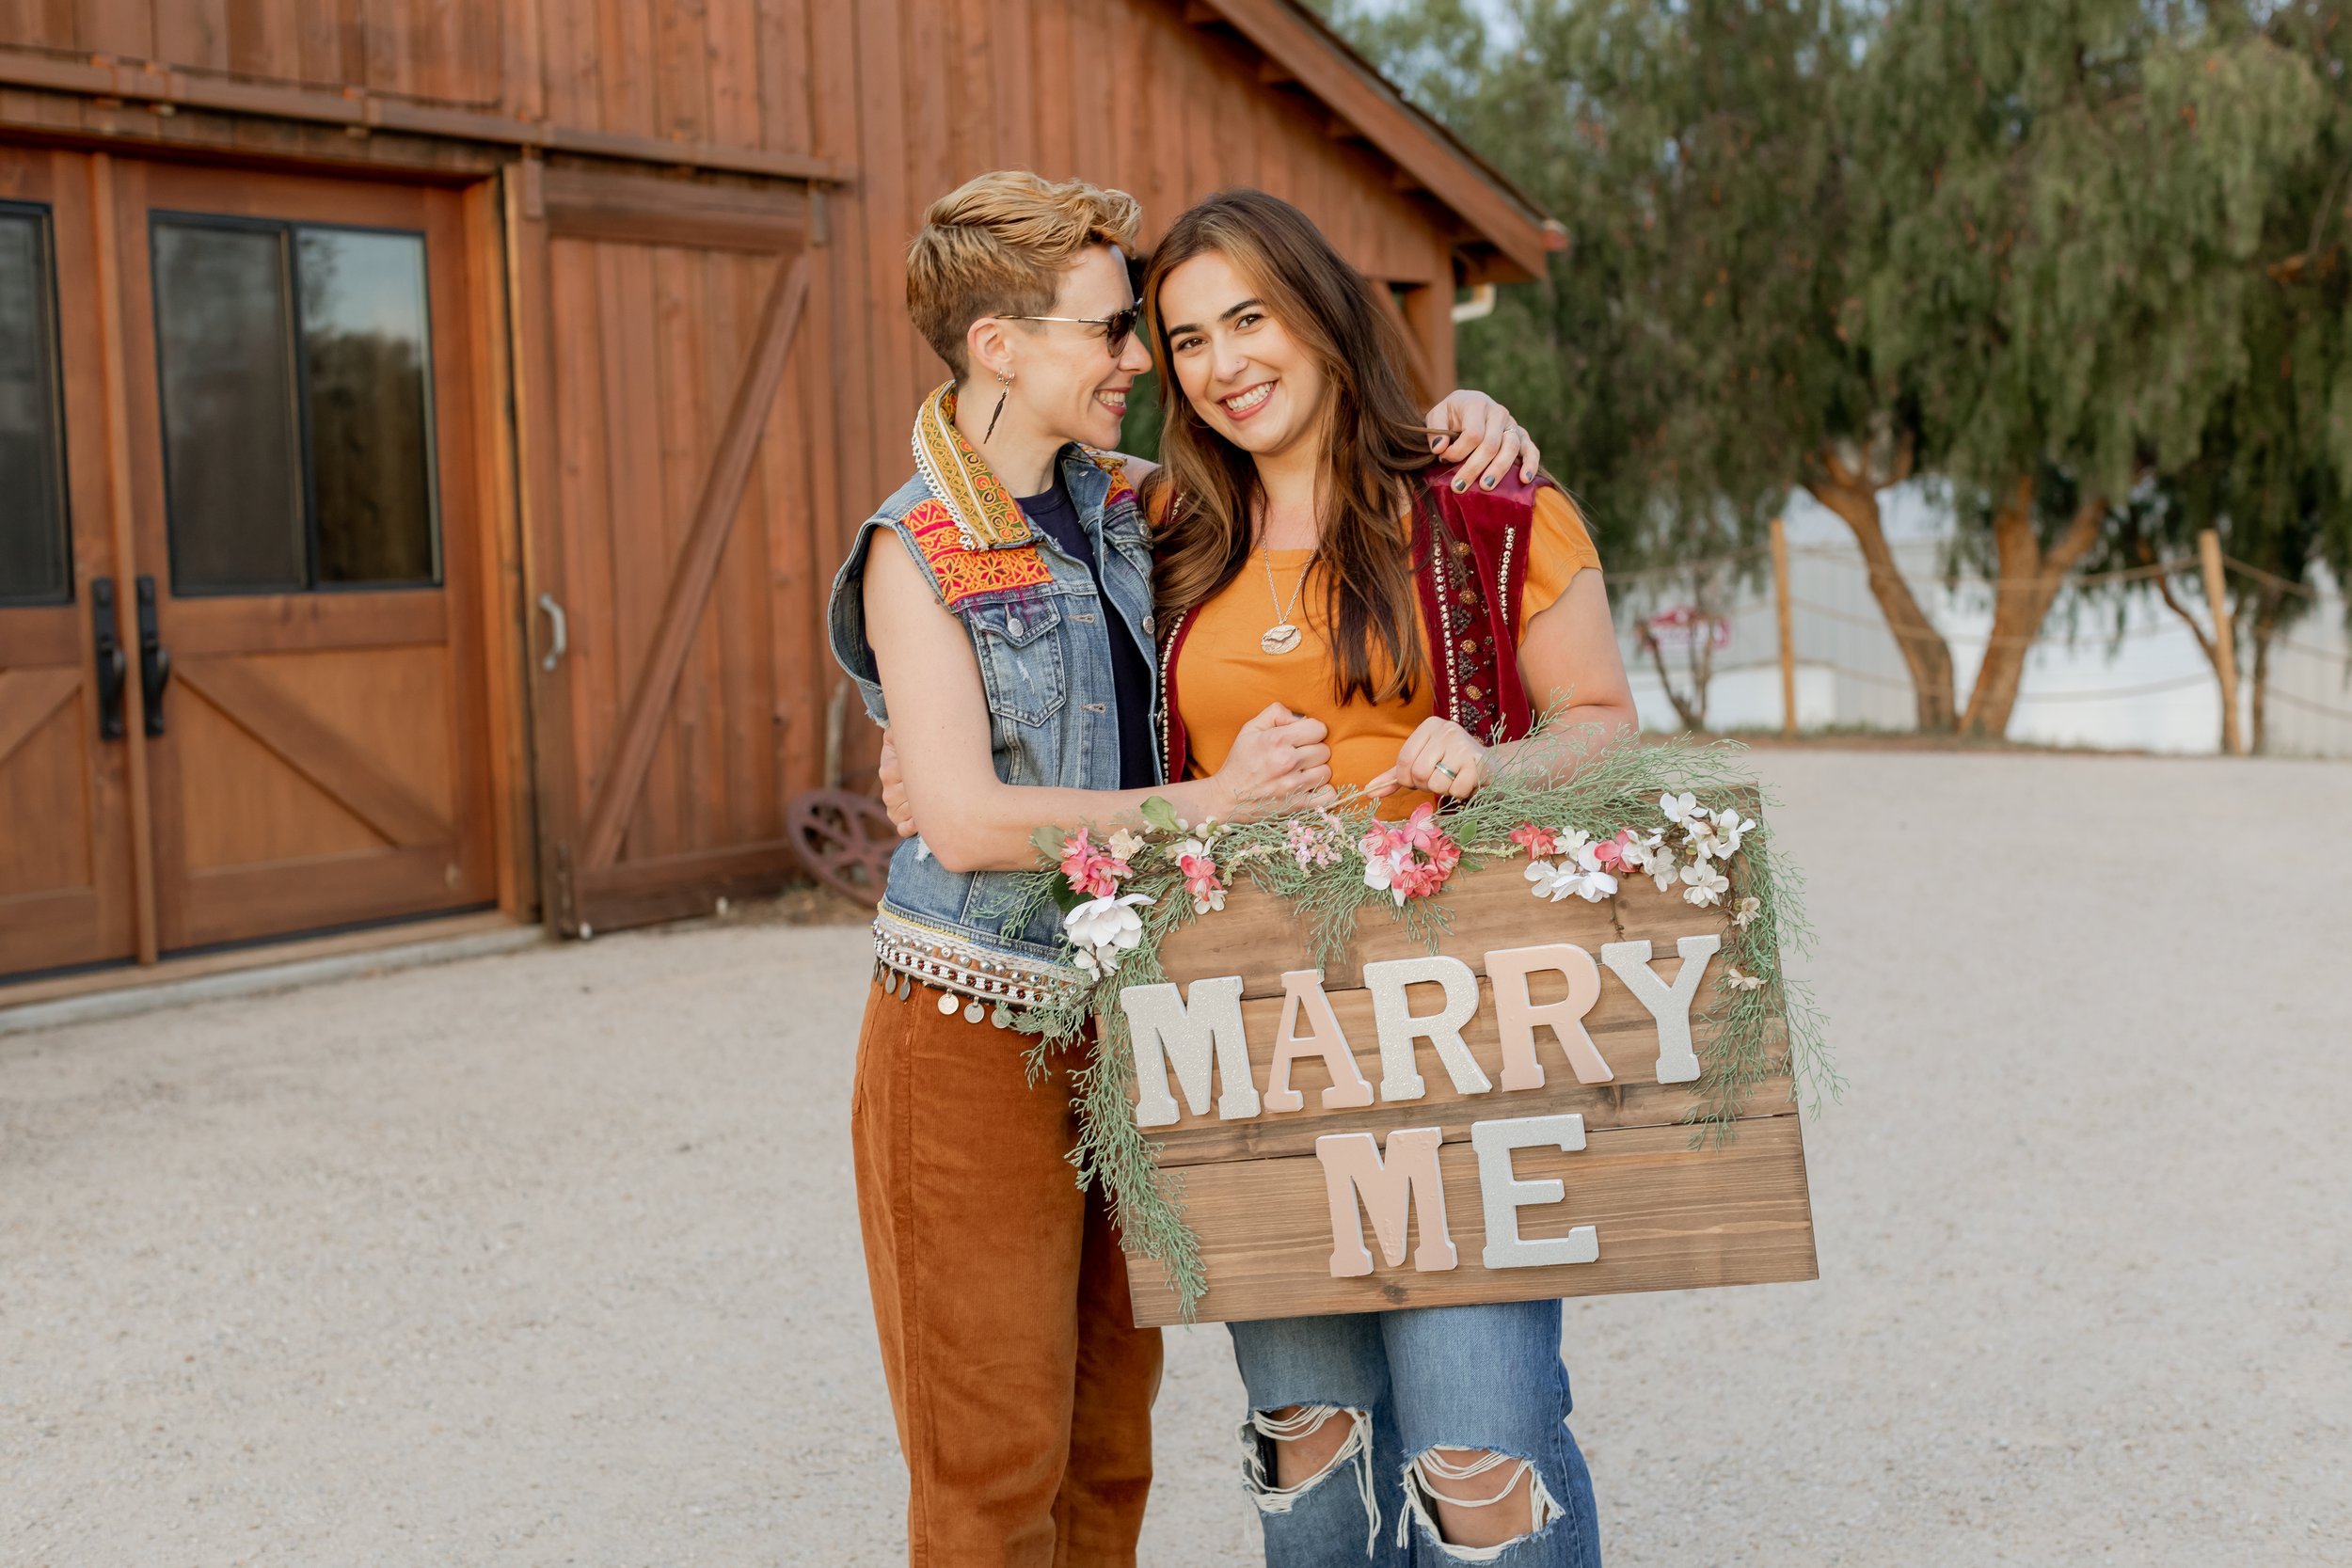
pixel 428 427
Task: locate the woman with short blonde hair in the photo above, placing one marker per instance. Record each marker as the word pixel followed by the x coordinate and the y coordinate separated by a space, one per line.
pixel 996 614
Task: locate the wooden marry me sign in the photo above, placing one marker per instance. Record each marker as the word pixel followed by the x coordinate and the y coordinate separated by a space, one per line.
pixel 1500 1122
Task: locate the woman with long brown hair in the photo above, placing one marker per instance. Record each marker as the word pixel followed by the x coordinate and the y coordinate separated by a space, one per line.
pixel 997 611
pixel 1311 551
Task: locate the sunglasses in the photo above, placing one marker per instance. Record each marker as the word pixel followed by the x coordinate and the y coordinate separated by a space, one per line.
pixel 1118 327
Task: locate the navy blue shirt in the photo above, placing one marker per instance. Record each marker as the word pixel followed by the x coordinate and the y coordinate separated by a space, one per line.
pixel 1055 515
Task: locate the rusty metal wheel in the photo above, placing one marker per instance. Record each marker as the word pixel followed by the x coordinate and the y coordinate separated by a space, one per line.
pixel 845 839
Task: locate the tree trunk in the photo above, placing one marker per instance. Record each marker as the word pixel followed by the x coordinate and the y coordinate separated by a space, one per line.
pixel 1692 712
pixel 2026 580
pixel 2205 644
pixel 1926 654
pixel 2267 611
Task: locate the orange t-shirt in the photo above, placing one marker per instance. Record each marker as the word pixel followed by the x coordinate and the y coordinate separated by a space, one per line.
pixel 1224 678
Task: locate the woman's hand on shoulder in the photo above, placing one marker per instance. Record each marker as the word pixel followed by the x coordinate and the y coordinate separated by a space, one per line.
pixel 1487 442
pixel 1439 756
pixel 894 787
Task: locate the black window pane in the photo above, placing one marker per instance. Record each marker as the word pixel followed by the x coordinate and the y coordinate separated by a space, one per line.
pixel 33 563
pixel 369 357
pixel 223 338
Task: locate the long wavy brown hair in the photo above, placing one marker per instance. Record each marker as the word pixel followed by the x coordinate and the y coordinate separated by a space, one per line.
pixel 1206 493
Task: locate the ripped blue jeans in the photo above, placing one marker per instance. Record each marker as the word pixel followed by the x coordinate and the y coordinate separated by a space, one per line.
pixel 1486 1380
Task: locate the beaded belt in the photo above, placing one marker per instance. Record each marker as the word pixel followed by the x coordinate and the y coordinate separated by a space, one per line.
pixel 907 952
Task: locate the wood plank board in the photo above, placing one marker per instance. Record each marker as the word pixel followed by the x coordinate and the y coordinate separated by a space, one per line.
pixel 1672 1206
pixel 1669 1218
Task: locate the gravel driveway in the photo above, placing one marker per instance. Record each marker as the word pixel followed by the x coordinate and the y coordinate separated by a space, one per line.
pixel 550 1258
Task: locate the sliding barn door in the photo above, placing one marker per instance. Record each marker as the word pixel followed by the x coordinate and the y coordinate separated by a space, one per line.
pixel 677 467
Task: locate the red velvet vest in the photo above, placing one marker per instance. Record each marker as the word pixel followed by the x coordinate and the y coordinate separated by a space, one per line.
pixel 1470 568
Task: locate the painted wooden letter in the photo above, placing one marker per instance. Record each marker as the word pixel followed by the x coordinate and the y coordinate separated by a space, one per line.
pixel 1398 1027
pixel 1303 989
pixel 1517 1018
pixel 1169 1031
pixel 1408 1178
pixel 1671 1006
pixel 1503 1194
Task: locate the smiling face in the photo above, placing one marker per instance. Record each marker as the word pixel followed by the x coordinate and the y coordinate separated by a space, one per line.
pixel 1066 383
pixel 1245 373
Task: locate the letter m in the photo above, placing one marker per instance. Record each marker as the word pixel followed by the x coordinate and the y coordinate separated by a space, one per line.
pixel 1408 1178
pixel 1168 1032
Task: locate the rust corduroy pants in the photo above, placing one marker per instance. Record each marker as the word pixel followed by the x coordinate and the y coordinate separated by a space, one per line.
pixel 1023 1390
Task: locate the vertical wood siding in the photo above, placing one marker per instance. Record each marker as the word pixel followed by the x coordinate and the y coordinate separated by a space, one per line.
pixel 915 95
pixel 645 339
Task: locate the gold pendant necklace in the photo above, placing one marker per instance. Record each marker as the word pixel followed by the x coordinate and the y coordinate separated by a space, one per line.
pixel 1282 637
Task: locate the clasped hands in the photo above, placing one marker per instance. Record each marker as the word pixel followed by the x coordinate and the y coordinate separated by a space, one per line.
pixel 1280 762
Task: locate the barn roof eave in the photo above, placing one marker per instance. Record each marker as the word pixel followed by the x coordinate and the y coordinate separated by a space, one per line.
pixel 1508 234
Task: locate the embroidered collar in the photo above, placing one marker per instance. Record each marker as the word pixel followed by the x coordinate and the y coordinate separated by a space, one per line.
pixel 987 517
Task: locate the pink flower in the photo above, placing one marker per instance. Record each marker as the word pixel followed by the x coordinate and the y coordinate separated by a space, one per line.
pixel 1201 881
pixel 1613 853
pixel 1420 828
pixel 1410 859
pixel 1539 843
pixel 1310 843
pixel 1092 869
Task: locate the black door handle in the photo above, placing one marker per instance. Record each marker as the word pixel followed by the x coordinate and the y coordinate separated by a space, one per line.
pixel 113 664
pixel 154 659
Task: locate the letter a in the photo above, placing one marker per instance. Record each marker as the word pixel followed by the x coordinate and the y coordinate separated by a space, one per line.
pixel 1303 989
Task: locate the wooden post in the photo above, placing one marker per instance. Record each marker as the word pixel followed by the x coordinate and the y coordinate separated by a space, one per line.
pixel 1788 632
pixel 146 932
pixel 2224 639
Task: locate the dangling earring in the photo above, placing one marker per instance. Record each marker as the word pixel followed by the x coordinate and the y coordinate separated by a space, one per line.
pixel 1000 404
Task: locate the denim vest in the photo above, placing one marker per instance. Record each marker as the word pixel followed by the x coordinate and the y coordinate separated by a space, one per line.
pixel 1042 635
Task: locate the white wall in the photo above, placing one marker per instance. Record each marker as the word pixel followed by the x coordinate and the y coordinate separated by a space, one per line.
pixel 2140 682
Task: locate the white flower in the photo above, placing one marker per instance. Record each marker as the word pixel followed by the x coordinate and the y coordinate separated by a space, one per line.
pixel 1189 847
pixel 1202 904
pixel 1738 981
pixel 1679 808
pixel 1718 833
pixel 1378 871
pixel 1581 876
pixel 1705 884
pixel 1748 909
pixel 1126 844
pixel 1659 860
pixel 1592 886
pixel 1104 929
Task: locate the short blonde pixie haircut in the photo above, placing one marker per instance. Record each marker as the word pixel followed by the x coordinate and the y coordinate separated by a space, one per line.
pixel 998 245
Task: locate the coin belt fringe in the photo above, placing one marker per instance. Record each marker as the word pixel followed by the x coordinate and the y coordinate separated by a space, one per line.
pixel 947 962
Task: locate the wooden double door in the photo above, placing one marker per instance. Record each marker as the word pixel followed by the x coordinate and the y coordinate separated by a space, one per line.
pixel 241 684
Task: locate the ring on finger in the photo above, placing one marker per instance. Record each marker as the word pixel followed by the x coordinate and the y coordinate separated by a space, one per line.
pixel 1450 771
